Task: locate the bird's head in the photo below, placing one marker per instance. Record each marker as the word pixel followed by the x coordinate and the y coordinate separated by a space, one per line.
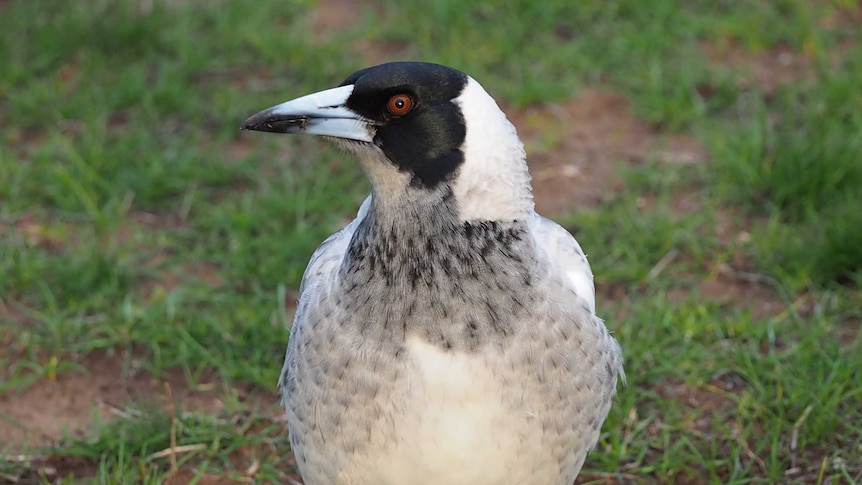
pixel 422 132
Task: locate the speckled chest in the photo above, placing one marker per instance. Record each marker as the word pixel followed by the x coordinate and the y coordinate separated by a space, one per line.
pixel 479 291
pixel 459 287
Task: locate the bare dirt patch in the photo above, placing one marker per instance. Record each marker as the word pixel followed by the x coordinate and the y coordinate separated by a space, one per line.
pixel 575 148
pixel 36 232
pixel 733 289
pixel 52 467
pixel 184 476
pixel 709 398
pixel 844 16
pixel 50 409
pixel 332 16
pixel 171 278
pixel 768 69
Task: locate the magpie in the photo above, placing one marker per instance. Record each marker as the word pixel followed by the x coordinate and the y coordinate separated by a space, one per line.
pixel 448 334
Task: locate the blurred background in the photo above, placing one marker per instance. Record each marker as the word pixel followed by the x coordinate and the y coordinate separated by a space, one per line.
pixel 706 154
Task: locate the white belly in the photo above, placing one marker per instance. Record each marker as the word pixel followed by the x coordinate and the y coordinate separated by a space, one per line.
pixel 523 411
pixel 455 427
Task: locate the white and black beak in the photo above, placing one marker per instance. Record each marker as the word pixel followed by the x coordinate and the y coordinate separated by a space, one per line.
pixel 323 113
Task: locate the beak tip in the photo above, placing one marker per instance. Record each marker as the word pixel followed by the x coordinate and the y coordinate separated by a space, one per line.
pixel 255 122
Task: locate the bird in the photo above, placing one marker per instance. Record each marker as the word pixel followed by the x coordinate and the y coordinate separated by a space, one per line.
pixel 448 334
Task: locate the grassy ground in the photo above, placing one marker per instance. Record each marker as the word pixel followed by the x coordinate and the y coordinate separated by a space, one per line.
pixel 144 240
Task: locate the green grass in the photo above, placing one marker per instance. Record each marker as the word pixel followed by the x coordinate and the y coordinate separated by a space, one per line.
pixel 136 220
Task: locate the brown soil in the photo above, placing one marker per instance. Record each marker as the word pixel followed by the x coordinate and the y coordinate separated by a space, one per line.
pixel 768 69
pixel 50 409
pixel 333 16
pixel 730 288
pixel 575 148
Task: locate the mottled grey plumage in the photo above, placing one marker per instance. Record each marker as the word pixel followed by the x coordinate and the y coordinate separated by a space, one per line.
pixel 437 339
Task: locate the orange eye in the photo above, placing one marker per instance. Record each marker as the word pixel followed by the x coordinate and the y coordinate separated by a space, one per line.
pixel 400 104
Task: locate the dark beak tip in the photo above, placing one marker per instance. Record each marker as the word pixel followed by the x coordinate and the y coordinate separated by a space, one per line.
pixel 250 123
pixel 270 122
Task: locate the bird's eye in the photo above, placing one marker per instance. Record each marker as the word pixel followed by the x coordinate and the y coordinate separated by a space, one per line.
pixel 399 105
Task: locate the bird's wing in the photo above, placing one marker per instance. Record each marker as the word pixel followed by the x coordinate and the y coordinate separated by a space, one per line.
pixel 323 265
pixel 564 251
pixel 328 256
